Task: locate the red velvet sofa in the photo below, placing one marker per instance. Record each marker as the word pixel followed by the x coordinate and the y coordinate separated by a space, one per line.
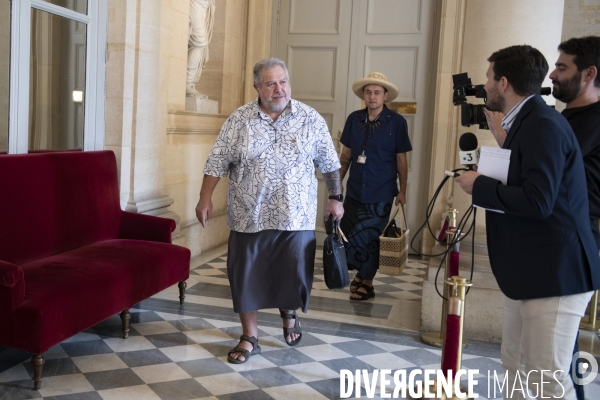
pixel 69 256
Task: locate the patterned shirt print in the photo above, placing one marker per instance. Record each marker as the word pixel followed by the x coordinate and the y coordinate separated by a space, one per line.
pixel 271 166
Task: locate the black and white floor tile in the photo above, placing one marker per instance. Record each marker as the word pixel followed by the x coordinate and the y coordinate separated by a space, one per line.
pixel 180 352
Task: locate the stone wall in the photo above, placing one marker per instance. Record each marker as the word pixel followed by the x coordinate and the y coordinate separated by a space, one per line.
pixel 581 18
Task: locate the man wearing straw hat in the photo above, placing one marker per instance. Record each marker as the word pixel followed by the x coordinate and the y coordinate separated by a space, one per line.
pixel 375 143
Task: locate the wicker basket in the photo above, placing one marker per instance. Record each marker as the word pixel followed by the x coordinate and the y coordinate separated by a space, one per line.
pixel 393 252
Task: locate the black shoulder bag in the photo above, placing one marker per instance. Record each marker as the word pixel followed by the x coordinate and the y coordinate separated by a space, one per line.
pixel 335 267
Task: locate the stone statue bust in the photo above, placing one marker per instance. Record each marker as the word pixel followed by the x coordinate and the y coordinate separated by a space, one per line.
pixel 202 17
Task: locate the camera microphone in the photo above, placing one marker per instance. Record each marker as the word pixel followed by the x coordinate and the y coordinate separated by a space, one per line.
pixel 546 91
pixel 469 151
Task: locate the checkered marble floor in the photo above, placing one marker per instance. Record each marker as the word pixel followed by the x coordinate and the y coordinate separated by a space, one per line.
pixel 180 352
pixel 397 302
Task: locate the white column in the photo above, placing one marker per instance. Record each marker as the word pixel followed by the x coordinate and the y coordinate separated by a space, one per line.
pixel 137 98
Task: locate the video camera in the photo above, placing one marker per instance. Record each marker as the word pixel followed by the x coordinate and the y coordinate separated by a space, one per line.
pixel 472 114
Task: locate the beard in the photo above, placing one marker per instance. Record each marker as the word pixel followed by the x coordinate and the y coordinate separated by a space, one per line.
pixel 275 107
pixel 567 89
pixel 495 102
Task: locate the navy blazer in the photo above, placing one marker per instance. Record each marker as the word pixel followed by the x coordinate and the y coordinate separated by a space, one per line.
pixel 543 245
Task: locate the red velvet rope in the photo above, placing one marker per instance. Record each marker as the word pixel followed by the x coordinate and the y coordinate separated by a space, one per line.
pixel 442 235
pixel 450 358
pixel 453 263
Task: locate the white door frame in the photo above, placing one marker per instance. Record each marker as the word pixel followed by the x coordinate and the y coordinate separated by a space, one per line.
pixel 96 20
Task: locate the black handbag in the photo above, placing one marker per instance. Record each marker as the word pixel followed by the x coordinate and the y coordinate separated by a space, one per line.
pixel 392 231
pixel 335 267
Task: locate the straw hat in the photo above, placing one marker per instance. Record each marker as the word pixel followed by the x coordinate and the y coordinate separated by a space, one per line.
pixel 375 78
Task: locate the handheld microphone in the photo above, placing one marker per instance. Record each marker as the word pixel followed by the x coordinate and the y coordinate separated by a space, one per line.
pixel 469 151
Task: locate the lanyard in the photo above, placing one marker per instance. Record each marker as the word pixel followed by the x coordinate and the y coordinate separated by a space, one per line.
pixel 369 130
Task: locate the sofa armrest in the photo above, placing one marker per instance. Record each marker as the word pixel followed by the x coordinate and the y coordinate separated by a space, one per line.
pixel 145 227
pixel 12 286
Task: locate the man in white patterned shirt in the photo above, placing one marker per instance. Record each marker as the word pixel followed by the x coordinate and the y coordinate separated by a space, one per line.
pixel 270 148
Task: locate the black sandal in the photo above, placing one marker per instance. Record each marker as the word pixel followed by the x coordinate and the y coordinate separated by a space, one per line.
pixel 247 354
pixel 364 296
pixel 354 285
pixel 297 328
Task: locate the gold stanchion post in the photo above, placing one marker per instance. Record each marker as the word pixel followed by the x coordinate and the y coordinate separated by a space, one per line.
pixel 591 324
pixel 459 287
pixel 437 338
pixel 456 288
pixel 592 318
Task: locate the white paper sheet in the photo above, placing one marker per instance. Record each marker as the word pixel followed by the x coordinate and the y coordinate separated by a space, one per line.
pixel 494 162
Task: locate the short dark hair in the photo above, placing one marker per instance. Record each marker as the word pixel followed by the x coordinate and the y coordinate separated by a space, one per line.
pixel 523 66
pixel 586 51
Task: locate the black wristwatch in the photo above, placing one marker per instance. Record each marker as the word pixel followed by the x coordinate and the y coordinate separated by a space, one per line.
pixel 338 197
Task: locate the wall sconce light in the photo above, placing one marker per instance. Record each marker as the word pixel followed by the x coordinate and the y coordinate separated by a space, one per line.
pixel 77 96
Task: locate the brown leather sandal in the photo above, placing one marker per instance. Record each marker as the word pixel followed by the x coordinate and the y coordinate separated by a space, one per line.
pixel 364 296
pixel 297 328
pixel 247 354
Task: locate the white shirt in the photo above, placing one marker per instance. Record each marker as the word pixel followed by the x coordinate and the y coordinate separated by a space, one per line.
pixel 272 182
pixel 509 118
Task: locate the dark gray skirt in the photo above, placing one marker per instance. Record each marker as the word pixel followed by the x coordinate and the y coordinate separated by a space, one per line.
pixel 271 269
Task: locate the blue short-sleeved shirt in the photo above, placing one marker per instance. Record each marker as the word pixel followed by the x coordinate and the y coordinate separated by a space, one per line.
pixel 375 181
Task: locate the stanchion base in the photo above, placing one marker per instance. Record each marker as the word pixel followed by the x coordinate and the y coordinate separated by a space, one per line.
pixel 433 390
pixel 434 339
pixel 588 326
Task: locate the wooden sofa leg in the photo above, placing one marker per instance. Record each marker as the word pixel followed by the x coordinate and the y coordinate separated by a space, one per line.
pixel 182 285
pixel 37 361
pixel 125 317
